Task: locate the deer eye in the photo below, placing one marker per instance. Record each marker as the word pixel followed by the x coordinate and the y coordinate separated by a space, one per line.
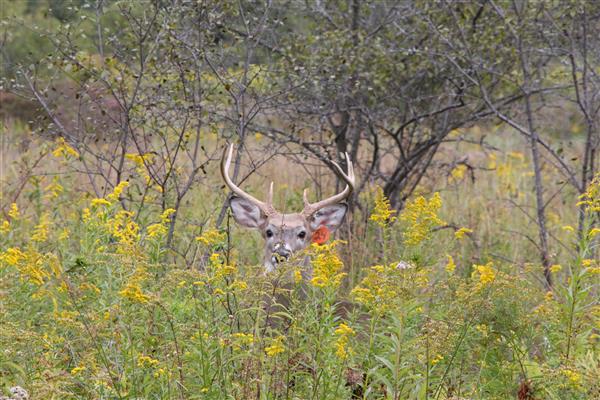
pixel 302 235
pixel 269 233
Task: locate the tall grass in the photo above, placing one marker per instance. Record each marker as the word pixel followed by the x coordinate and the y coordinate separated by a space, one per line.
pixel 443 300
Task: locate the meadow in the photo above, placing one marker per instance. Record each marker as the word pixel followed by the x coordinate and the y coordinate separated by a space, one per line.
pixel 467 267
pixel 442 300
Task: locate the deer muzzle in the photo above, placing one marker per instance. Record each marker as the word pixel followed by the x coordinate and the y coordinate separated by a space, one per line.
pixel 281 253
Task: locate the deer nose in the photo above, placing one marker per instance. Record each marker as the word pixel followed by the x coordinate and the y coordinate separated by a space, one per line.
pixel 280 252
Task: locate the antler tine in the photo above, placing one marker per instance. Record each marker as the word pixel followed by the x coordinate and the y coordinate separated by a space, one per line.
pixel 265 207
pixel 349 178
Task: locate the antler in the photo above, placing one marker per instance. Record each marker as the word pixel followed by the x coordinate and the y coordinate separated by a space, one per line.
pixel 349 178
pixel 265 207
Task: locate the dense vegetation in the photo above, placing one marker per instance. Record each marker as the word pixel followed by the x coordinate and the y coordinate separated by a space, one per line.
pixel 468 265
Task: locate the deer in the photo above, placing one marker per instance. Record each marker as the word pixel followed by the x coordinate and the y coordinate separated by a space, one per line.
pixel 287 233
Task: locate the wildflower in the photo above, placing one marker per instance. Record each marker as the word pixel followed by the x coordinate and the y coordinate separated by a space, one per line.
pixel 53 189
pixel 517 155
pixel 327 266
pixel 484 273
pixel 13 212
pixel 124 228
pixel 40 232
pixel 555 268
pixel 450 265
pixel 458 172
pixel 591 198
pixel 297 276
pixel 211 237
pixel 117 191
pixel 238 285
pixel 276 347
pixel 382 288
pixel 343 332
pixel 77 370
pixel 573 376
pixel 133 292
pixel 242 339
pixel 421 216
pixel 587 262
pixel 100 202
pixel 165 217
pixel 140 159
pixel 568 228
pixel 156 230
pixel 437 359
pixel 64 235
pixel 593 232
pixel 459 234
pixel 5 228
pixel 63 149
pixel 383 214
pixel 146 361
pixel 12 256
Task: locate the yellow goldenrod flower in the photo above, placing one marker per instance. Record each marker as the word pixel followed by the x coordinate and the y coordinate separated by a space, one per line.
pixel 568 228
pixel 591 197
pixel 421 216
pixel 587 262
pixel 238 285
pixel 459 234
pixel 63 149
pixel 382 288
pixel 450 265
pixel 383 214
pixel 13 212
pixel 343 332
pixel 555 268
pixel 517 155
pixel 156 230
pixel 40 232
pixel 573 376
pixel 458 172
pixel 327 266
pixel 122 227
pixel 485 274
pixel 54 189
pixel 165 217
pixel 211 237
pixel 5 228
pixel 77 370
pixel 242 339
pixel 12 256
pixel 64 235
pixel 146 361
pixel 140 159
pixel 117 191
pixel 297 276
pixel 133 292
pixel 276 347
pixel 100 202
pixel 437 359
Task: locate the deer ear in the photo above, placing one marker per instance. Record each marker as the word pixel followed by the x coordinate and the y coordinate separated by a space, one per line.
pixel 246 213
pixel 330 217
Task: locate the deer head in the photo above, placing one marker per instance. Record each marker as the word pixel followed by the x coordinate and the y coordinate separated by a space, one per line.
pixel 285 234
